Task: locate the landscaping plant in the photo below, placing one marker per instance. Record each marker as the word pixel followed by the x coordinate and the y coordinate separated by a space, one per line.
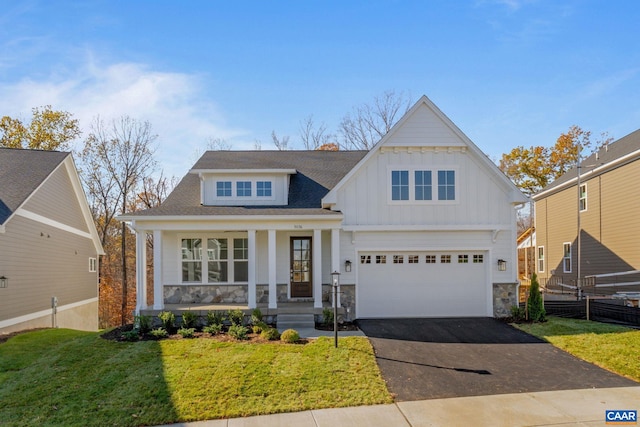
pixel 142 323
pixel 213 329
pixel 189 319
pixel 290 336
pixel 238 332
pixel 535 305
pixel 270 334
pixel 187 332
pixel 327 316
pixel 168 320
pixel 159 333
pixel 215 318
pixel 236 316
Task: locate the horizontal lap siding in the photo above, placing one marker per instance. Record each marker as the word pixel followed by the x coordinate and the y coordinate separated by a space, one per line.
pixel 40 267
pixel 57 200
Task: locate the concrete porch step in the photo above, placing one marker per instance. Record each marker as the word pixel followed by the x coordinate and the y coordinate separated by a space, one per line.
pixel 295 321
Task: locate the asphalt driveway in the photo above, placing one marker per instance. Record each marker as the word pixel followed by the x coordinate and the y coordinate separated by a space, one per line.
pixel 439 358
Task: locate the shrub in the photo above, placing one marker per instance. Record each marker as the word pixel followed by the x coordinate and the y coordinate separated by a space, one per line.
pixel 535 305
pixel 517 313
pixel 256 316
pixel 213 329
pixel 238 332
pixel 187 332
pixel 189 319
pixel 270 334
pixel 215 318
pixel 290 336
pixel 131 335
pixel 142 323
pixel 159 333
pixel 168 320
pixel 236 317
pixel 327 316
pixel 258 327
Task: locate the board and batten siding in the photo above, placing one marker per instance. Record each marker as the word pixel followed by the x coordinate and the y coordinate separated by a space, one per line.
pixel 56 200
pixel 41 262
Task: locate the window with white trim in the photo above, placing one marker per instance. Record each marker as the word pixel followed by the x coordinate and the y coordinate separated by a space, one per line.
pixel 423 187
pixel 381 259
pixel 540 259
pixel 478 258
pixel 365 259
pixel 243 188
pixel 398 259
pixel 93 265
pixel 263 188
pixel 217 260
pixel 463 259
pixel 445 259
pixel 241 260
pixel 223 188
pixel 446 185
pixel 413 259
pixel 566 257
pixel 400 185
pixel 583 197
pixel 192 260
pixel 430 259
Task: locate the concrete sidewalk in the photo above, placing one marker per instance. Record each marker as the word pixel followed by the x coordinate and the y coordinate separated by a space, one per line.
pixel 550 408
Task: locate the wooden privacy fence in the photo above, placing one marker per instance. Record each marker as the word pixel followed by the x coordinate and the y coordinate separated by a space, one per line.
pixel 599 310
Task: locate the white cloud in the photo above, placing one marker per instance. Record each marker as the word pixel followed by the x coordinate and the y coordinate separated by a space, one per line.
pixel 172 102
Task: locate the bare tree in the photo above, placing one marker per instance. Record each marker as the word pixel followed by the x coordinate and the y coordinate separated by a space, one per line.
pixel 314 137
pixel 366 124
pixel 115 160
pixel 281 144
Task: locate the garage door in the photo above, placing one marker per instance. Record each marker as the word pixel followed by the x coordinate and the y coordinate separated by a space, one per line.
pixel 422 284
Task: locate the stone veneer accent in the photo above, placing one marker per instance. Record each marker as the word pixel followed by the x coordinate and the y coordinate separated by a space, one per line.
pixel 206 294
pixel 505 296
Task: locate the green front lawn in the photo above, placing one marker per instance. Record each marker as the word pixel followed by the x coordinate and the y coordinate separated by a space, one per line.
pixel 611 347
pixel 64 377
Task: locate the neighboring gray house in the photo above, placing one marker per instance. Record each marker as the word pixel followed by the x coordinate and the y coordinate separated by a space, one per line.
pixel 49 246
pixel 422 225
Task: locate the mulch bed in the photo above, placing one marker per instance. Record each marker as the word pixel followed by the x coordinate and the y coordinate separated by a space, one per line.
pixel 345 326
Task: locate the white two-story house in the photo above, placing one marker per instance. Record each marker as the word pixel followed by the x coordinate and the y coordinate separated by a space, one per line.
pixel 422 225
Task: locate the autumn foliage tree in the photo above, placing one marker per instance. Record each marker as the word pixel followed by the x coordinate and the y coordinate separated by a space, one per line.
pixel 48 129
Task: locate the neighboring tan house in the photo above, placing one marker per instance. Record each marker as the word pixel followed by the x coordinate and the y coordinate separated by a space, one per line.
pixel 422 225
pixel 607 209
pixel 49 246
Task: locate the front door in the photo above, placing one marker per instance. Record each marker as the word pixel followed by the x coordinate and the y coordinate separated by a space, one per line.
pixel 301 267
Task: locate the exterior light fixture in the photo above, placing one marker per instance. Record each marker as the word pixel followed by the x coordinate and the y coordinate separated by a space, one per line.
pixel 4 282
pixel 347 266
pixel 502 265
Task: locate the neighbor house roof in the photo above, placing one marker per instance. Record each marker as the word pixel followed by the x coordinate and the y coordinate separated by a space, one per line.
pixel 618 153
pixel 316 173
pixel 21 173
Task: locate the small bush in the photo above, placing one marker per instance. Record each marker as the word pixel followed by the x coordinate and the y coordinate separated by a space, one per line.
pixel 270 334
pixel 517 313
pixel 290 336
pixel 187 332
pixel 189 319
pixel 131 335
pixel 168 320
pixel 327 316
pixel 215 318
pixel 236 317
pixel 159 333
pixel 238 332
pixel 213 329
pixel 143 323
pixel 256 316
pixel 258 327
pixel 535 304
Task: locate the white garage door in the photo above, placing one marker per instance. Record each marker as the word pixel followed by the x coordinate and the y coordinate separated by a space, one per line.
pixel 422 284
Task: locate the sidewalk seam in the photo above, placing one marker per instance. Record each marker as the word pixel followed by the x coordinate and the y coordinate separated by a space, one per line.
pixel 403 414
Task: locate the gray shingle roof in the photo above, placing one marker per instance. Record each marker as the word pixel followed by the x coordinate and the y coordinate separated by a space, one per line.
pixel 317 173
pixel 21 172
pixel 616 150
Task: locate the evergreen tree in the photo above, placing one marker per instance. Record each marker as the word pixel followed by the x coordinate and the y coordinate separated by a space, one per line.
pixel 535 305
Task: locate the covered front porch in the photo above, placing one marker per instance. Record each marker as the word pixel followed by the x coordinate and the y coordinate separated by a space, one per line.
pixel 278 268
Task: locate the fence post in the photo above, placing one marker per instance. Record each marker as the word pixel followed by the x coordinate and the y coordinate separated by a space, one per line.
pixel 588 307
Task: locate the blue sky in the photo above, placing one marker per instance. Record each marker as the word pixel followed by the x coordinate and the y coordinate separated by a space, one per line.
pixel 507 72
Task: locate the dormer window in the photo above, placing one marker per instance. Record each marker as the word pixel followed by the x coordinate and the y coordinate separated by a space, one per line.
pixel 263 188
pixel 243 188
pixel 223 188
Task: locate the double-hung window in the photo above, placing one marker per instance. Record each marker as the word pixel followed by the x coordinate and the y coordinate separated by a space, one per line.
pixel 223 188
pixel 583 197
pixel 399 185
pixel 540 259
pixel 241 259
pixel 217 260
pixel 243 188
pixel 191 260
pixel 423 186
pixel 446 185
pixel 566 257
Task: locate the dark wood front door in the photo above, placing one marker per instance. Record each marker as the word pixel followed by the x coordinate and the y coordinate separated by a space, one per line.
pixel 301 268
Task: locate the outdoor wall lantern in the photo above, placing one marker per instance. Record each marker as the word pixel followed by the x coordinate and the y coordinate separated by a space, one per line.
pixel 4 282
pixel 347 266
pixel 502 265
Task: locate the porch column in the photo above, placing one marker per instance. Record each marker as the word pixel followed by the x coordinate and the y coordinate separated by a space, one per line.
pixel 252 268
pixel 141 270
pixel 335 255
pixel 317 268
pixel 271 255
pixel 158 288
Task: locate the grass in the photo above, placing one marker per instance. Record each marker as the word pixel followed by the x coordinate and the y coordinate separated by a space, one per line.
pixel 64 377
pixel 612 347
